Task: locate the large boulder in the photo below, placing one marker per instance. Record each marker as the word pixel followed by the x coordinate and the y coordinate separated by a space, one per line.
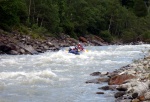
pixel 5 49
pixel 120 79
pixel 28 48
pixel 82 39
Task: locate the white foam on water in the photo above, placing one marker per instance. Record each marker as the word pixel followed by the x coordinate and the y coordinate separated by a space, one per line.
pixel 60 76
pixel 34 77
pixel 8 62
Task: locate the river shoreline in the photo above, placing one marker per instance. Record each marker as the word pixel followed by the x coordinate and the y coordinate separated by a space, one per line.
pixel 16 43
pixel 131 83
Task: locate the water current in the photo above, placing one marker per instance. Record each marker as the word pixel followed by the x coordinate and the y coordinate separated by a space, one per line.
pixel 61 76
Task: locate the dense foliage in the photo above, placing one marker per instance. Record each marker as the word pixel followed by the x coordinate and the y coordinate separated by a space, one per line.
pixel 128 20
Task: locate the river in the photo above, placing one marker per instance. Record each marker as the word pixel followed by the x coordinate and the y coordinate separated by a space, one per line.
pixel 61 76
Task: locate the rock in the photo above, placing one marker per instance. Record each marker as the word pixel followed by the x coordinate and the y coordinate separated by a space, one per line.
pixel 5 48
pixel 104 73
pixel 98 80
pixel 71 40
pixel 131 72
pixel 99 92
pixel 13 52
pixel 104 88
pixel 147 96
pixel 93 81
pixel 98 43
pixel 45 47
pixel 134 95
pixel 83 39
pixel 138 87
pixel 141 98
pixel 125 100
pixel 27 48
pixel 135 100
pixel 104 79
pixel 112 75
pixel 127 96
pixel 110 87
pixel 22 51
pixel 50 44
pixel 98 38
pixel 95 73
pixel 119 94
pixel 39 50
pixel 119 79
pixel 14 46
pixel 121 88
pixel 132 81
pixel 64 45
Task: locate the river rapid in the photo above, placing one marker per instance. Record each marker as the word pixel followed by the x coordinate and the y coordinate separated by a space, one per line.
pixel 61 76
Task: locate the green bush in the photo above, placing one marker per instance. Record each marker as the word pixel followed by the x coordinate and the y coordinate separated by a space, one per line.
pixel 5 27
pixel 23 29
pixel 37 29
pixel 106 36
pixel 129 36
pixel 73 35
pixel 146 36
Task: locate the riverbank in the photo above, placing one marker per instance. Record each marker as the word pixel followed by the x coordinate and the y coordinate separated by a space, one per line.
pixel 16 43
pixel 130 83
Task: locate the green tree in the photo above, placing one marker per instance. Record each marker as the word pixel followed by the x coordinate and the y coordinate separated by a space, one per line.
pixel 12 12
pixel 43 13
pixel 140 8
pixel 128 3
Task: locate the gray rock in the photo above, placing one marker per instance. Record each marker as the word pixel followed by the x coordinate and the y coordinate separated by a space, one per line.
pixel 121 88
pixel 99 92
pixel 28 48
pixel 98 80
pixel 134 95
pixel 95 73
pixel 13 52
pixel 119 94
pixel 110 87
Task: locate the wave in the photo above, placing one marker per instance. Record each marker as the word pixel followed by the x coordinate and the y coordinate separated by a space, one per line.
pixel 34 77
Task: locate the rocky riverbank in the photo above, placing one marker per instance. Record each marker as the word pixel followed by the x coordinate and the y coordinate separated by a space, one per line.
pixel 130 83
pixel 15 43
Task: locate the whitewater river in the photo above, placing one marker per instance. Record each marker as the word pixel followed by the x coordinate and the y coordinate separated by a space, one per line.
pixel 61 76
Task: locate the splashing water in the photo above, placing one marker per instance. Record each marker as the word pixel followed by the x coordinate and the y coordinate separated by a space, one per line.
pixel 60 76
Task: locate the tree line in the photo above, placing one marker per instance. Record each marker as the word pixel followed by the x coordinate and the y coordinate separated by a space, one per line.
pixel 125 20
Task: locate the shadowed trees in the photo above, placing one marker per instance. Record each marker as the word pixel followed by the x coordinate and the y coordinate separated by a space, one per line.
pixel 127 20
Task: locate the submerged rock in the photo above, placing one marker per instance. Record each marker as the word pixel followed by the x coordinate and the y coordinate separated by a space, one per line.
pixel 95 73
pixel 98 80
pixel 110 87
pixel 99 92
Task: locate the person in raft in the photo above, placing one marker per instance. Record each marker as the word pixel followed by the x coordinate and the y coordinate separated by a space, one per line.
pixel 73 50
pixel 80 47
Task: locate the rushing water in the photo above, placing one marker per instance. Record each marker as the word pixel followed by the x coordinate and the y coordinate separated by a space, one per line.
pixel 60 76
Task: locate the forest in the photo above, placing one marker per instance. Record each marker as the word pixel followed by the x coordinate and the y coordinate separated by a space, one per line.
pixel 112 20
